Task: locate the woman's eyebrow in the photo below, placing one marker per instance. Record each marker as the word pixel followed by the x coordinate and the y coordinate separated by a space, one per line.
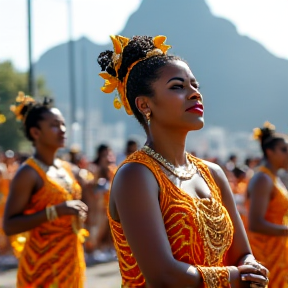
pixel 175 78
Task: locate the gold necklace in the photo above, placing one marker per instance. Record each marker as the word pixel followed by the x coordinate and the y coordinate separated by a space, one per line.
pixel 180 172
pixel 62 179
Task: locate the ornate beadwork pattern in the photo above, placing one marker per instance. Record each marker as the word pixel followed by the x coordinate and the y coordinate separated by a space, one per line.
pixel 190 232
pixel 215 277
pixel 212 228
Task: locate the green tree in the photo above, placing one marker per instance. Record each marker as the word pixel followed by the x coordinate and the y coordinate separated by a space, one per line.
pixel 11 82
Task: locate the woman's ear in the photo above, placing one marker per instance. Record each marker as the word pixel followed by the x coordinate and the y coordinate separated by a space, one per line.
pixel 34 132
pixel 142 105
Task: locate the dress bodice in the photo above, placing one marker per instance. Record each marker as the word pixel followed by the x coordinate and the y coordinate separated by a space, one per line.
pixel 199 231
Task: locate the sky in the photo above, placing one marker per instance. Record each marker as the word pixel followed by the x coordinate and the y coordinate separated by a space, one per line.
pixel 265 21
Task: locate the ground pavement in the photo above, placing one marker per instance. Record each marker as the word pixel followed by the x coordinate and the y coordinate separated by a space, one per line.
pixel 98 276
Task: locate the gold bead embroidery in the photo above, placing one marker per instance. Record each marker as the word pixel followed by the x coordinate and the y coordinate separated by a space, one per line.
pixel 215 277
pixel 213 229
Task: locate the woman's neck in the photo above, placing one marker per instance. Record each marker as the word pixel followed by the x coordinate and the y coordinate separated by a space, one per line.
pixel 45 156
pixel 170 145
pixel 271 166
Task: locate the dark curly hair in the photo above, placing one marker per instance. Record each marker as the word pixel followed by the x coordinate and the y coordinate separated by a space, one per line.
pixel 269 139
pixel 143 73
pixel 32 114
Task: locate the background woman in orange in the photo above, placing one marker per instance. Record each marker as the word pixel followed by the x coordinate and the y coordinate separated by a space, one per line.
pixel 44 200
pixel 99 245
pixel 268 206
pixel 8 169
pixel 172 215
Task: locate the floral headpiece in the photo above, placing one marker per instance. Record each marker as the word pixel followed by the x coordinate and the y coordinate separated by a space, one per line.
pixel 23 100
pixel 258 132
pixel 113 82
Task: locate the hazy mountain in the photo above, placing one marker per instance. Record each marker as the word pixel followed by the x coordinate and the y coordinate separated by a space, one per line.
pixel 243 84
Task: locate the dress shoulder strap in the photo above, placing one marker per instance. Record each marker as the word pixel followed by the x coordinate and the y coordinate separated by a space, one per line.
pixel 207 176
pixel 265 170
pixel 142 158
pixel 32 163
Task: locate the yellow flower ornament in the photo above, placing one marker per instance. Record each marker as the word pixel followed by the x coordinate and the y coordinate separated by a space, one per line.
pixel 112 82
pixel 258 132
pixel 22 99
pixel 269 126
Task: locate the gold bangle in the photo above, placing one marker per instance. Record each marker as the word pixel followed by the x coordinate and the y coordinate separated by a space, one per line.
pixel 51 213
pixel 215 277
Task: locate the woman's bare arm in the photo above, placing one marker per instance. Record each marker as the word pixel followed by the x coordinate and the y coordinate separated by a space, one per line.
pixel 25 182
pixel 260 189
pixel 21 188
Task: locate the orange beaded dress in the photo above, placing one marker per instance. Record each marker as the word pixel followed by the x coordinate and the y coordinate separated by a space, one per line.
pixel 272 251
pixel 53 254
pixel 200 231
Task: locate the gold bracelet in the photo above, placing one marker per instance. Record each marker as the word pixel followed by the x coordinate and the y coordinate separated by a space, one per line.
pixel 215 277
pixel 51 213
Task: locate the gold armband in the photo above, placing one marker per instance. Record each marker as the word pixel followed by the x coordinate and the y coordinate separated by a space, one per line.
pixel 215 277
pixel 51 213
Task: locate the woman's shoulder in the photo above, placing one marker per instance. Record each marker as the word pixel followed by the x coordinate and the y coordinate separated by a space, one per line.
pixel 26 172
pixel 133 173
pixel 213 167
pixel 260 180
pixel 133 170
pixel 140 161
pixel 210 168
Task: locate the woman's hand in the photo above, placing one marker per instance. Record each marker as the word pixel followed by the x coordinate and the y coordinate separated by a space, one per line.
pixel 248 276
pixel 263 271
pixel 72 207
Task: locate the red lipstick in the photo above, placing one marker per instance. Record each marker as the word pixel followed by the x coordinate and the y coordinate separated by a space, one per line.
pixel 197 108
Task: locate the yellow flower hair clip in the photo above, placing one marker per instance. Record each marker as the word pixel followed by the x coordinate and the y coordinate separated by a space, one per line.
pixel 23 100
pixel 269 126
pixel 257 133
pixel 113 82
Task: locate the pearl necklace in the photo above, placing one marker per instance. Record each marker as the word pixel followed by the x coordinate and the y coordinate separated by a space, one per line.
pixel 180 172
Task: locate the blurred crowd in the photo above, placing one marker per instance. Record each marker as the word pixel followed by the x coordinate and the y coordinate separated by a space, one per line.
pixel 95 176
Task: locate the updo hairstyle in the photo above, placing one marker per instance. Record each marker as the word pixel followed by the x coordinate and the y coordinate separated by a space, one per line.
pixel 32 114
pixel 269 138
pixel 143 73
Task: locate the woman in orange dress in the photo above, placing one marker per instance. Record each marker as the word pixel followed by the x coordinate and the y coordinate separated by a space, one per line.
pixel 4 189
pixel 268 207
pixel 100 241
pixel 7 172
pixel 172 216
pixel 44 200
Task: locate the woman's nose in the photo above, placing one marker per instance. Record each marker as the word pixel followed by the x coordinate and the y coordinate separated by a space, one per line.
pixel 195 94
pixel 63 128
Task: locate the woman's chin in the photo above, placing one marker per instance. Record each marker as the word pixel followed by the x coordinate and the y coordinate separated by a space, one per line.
pixel 197 125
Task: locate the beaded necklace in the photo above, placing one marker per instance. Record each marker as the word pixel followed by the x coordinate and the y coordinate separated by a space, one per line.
pixel 181 173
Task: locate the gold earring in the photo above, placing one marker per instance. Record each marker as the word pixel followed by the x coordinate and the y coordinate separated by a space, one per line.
pixel 148 118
